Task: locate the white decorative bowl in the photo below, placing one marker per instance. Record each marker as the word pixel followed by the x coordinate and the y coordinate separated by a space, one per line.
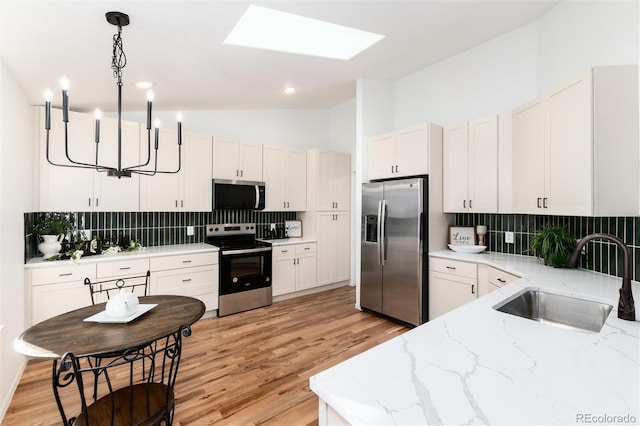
pixel 467 249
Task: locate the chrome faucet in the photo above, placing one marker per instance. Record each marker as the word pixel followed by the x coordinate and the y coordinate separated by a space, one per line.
pixel 626 309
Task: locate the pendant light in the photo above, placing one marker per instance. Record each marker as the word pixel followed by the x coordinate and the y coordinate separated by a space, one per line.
pixel 118 62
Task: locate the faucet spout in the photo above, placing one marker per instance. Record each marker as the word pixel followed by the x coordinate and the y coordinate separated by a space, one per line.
pixel 626 308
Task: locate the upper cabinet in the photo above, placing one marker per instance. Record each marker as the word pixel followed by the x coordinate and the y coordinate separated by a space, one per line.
pixel 470 170
pixel 187 190
pixel 70 188
pixel 236 160
pixel 285 178
pixel 575 149
pixel 330 189
pixel 400 153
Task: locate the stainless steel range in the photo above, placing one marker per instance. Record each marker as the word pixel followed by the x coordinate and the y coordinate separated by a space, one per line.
pixel 245 267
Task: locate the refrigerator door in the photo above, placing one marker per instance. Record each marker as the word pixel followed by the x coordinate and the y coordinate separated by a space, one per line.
pixel 371 265
pixel 402 275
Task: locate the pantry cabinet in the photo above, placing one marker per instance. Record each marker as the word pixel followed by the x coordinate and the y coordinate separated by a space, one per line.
pixel 84 189
pixel 452 283
pixel 575 149
pixel 294 268
pixel 400 153
pixel 237 160
pixel 285 177
pixel 333 247
pixel 470 171
pixel 187 190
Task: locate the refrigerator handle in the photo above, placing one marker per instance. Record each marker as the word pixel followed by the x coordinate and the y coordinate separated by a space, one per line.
pixel 379 232
pixel 382 240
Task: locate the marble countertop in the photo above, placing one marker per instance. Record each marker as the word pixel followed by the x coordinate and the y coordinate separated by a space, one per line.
pixel 168 250
pixel 475 365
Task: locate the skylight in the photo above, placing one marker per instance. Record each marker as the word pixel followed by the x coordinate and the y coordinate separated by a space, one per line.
pixel 263 28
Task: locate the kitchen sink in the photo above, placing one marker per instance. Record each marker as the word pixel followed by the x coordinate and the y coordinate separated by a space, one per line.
pixel 557 310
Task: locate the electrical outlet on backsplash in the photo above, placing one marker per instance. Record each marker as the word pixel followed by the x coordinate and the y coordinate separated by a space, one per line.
pixel 601 256
pixel 157 228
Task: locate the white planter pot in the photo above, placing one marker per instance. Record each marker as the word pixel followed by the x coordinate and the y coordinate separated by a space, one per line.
pixel 50 246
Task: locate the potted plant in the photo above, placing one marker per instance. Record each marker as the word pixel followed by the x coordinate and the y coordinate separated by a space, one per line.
pixel 554 244
pixel 50 227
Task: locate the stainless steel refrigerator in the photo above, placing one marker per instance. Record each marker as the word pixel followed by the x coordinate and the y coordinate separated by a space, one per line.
pixel 394 274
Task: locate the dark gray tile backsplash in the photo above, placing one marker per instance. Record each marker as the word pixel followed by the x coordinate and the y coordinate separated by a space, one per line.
pixel 602 256
pixel 157 228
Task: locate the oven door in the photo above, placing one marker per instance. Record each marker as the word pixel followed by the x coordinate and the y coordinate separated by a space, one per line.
pixel 243 270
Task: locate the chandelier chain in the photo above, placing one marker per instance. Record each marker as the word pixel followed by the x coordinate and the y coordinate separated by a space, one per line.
pixel 119 59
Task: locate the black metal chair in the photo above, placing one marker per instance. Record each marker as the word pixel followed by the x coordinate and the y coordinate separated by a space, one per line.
pixel 149 400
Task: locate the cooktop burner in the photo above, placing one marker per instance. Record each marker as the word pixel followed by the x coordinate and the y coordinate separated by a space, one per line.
pixel 237 236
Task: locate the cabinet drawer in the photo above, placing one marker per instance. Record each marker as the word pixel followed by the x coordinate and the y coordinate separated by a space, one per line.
pixel 499 278
pixel 453 267
pixel 199 282
pixel 305 248
pixel 283 251
pixel 122 268
pixel 183 261
pixel 62 274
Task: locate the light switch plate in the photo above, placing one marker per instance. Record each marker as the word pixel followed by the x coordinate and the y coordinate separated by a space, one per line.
pixel 508 237
pixel 190 231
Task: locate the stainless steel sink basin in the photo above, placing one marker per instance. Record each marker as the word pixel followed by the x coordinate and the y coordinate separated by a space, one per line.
pixel 557 310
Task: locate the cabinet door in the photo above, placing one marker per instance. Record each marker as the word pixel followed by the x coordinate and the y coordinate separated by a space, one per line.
pixel 225 159
pixel 325 248
pixel 196 173
pixel 111 193
pixel 570 149
pixel 483 165
pixel 250 161
pixel 412 153
pixel 275 166
pixel 342 247
pixel 160 192
pixel 455 168
pixel 55 299
pixel 296 180
pixel 326 185
pixel 66 188
pixel 283 275
pixel 529 158
pixel 342 181
pixel 447 293
pixel 306 271
pixel 382 156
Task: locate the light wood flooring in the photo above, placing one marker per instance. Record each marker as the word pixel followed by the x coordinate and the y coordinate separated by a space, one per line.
pixel 251 368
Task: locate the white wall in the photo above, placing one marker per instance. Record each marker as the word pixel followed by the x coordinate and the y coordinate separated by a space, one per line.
pixel 16 169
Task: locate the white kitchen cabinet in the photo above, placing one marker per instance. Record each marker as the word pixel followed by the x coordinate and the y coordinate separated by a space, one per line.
pixel 400 153
pixel 470 173
pixel 70 188
pixel 329 180
pixel 285 177
pixel 333 247
pixel 576 148
pixel 187 190
pixel 58 289
pixel 194 275
pixel 237 160
pixel 294 268
pixel 452 283
pixel 491 279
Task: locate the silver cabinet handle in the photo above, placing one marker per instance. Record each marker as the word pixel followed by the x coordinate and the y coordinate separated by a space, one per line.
pixel 391 169
pixel 65 275
pixel 396 168
pixel 470 204
pixel 284 251
pixel 97 202
pixel 241 173
pixel 126 268
pixel 181 203
pixel 186 261
pixel 451 267
pixel 186 280
pixel 544 203
pixel 464 204
pixel 176 203
pixel 473 289
pixel 501 280
pixel 237 173
pixel 89 201
pixel 538 202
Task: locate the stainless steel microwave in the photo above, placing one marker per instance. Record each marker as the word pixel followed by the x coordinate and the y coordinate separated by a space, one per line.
pixel 237 195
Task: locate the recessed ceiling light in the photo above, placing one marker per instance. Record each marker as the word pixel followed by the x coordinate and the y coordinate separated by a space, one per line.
pixel 144 84
pixel 268 29
pixel 289 90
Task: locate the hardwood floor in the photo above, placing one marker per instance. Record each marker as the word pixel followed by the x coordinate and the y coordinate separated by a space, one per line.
pixel 251 368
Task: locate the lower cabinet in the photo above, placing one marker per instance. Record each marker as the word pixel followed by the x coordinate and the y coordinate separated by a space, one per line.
pixel 452 284
pixel 334 261
pixel 294 268
pixel 490 279
pixel 194 275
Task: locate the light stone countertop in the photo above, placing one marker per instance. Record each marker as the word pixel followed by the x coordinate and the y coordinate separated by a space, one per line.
pixel 168 250
pixel 286 241
pixel 475 365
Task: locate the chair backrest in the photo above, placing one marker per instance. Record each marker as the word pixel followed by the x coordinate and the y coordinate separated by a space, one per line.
pixel 129 398
pixel 101 290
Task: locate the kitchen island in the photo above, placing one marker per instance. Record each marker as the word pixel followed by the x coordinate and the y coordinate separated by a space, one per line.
pixel 475 365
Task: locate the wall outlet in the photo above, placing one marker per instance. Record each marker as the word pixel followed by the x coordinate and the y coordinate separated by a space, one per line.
pixel 508 237
pixel 190 231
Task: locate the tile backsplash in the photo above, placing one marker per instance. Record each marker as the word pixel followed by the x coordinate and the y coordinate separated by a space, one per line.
pixel 602 256
pixel 157 228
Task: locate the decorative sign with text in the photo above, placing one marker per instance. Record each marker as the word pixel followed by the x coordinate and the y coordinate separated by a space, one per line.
pixel 462 235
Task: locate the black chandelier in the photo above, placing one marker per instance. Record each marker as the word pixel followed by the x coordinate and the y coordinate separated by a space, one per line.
pixel 118 62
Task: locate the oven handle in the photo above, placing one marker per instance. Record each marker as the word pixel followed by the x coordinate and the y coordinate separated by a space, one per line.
pixel 257 197
pixel 245 251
